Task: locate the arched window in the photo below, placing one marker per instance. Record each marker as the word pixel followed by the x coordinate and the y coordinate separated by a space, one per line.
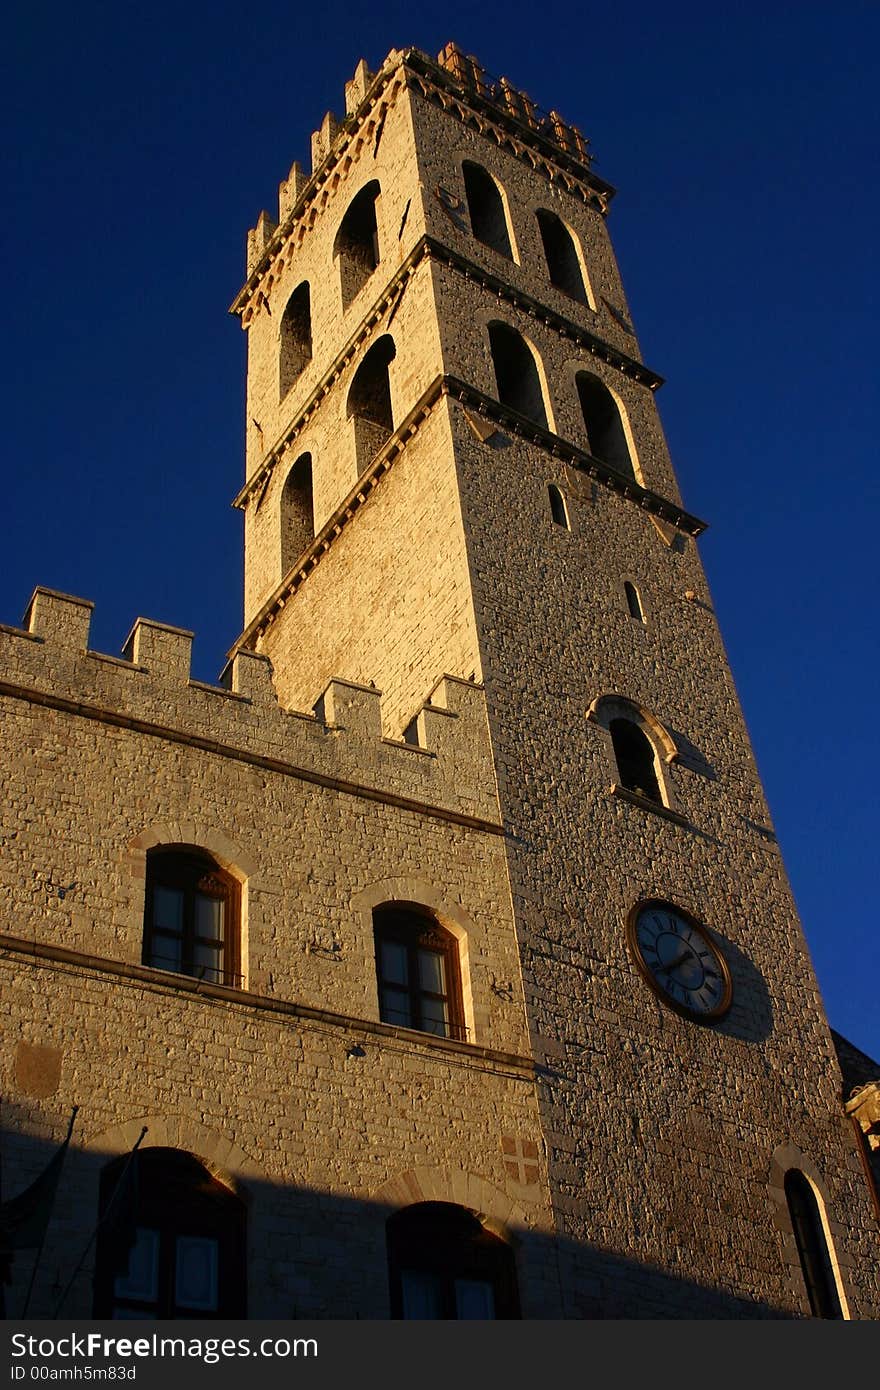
pixel 558 509
pixel 563 261
pixel 516 372
pixel 486 209
pixel 444 1264
pixel 295 350
pixel 170 1242
pixel 192 918
pixel 633 601
pixel 812 1246
pixel 606 439
pixel 417 970
pixel 369 402
pixel 636 759
pixel 357 242
pixel 297 512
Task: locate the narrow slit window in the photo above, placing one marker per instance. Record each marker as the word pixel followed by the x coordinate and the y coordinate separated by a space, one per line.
pixel 558 508
pixel 486 209
pixel 634 602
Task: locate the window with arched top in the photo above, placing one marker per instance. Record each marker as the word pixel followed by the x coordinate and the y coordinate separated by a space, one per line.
pixel 369 401
pixel 563 261
pixel 558 507
pixel 636 759
pixel 444 1264
pixel 486 209
pixel 516 373
pixel 812 1246
pixel 170 1240
pixel 357 242
pixel 633 601
pixel 295 347
pixel 418 971
pixel 192 921
pixel 297 512
pixel 606 437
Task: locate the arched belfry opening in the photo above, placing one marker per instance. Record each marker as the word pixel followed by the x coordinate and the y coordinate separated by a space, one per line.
pixel 486 209
pixel 295 348
pixel 563 262
pixel 516 373
pixel 297 512
pixel 357 242
pixel 606 438
pixel 369 401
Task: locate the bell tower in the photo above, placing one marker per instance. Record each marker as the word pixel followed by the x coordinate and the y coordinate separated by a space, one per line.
pixel 455 465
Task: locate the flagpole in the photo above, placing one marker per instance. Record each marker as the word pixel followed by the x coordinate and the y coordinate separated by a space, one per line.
pixel 116 1191
pixel 42 1244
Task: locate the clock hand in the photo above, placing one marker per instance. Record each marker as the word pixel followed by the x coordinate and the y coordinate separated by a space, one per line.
pixel 674 964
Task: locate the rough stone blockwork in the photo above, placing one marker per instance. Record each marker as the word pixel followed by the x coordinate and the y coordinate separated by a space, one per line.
pixel 479 714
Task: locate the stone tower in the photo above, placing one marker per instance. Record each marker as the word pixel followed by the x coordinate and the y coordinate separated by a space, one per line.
pixel 470 455
pixel 440 960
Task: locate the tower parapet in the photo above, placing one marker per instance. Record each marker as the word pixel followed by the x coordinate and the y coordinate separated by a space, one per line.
pixel 442 767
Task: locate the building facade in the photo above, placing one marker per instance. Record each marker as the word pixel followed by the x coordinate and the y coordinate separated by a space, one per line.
pixel 444 950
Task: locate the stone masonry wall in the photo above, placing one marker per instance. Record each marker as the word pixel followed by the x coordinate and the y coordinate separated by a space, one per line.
pixel 661 1132
pixel 102 759
pixel 390 600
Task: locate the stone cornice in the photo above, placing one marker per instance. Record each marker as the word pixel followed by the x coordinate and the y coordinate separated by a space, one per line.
pixel 509 420
pixel 554 444
pixel 543 155
pixel 48 954
pixel 387 302
pixel 566 327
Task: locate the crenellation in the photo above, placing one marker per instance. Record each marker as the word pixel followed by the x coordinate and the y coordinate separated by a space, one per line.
pixel 151 687
pixel 249 674
pixel 159 648
pixel 343 705
pixel 59 618
pixel 258 238
pixel 290 191
pixel 322 140
pixel 356 89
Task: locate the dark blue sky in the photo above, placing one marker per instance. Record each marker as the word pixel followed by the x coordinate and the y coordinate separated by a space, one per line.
pixel 144 141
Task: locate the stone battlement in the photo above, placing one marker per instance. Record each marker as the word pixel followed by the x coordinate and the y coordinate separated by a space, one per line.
pixel 444 764
pixel 461 78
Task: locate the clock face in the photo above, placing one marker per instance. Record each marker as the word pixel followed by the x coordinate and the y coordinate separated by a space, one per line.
pixel 679 960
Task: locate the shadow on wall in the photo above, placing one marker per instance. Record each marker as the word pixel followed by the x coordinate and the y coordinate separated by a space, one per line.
pixel 310 1254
